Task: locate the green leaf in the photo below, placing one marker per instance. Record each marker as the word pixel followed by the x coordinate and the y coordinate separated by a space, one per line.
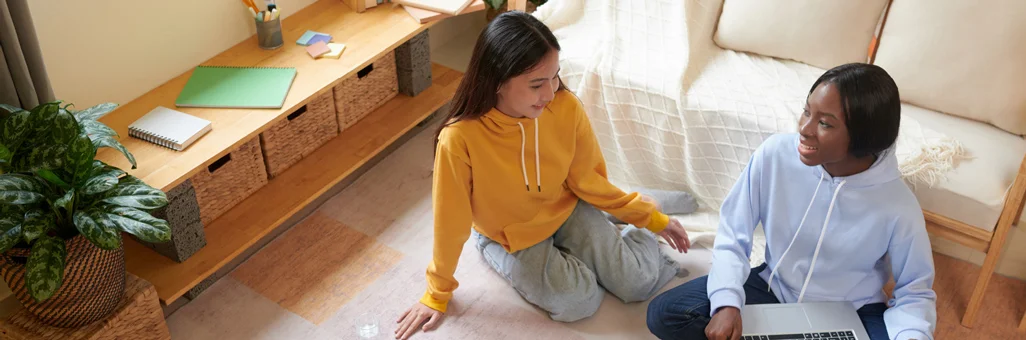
pixel 52 177
pixel 98 167
pixel 16 128
pixel 5 154
pixel 20 189
pixel 10 108
pixel 495 4
pixel 132 192
pixel 139 223
pixel 63 128
pixel 80 157
pixel 98 229
pixel 47 157
pixel 37 223
pixel 44 270
pixel 95 112
pixel 101 182
pixel 107 141
pixel 10 231
pixel 67 201
pixel 43 116
pixel 95 128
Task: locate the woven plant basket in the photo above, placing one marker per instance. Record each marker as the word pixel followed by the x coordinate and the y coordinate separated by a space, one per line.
pixel 300 134
pixel 229 180
pixel 357 96
pixel 93 284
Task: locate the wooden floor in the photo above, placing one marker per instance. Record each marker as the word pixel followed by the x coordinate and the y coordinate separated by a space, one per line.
pixel 1003 306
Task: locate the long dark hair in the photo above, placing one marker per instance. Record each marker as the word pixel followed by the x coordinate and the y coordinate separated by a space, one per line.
pixel 872 106
pixel 512 44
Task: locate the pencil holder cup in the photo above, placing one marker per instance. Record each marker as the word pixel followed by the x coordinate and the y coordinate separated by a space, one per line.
pixel 269 34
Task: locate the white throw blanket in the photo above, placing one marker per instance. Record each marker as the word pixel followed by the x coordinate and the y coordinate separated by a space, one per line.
pixel 674 111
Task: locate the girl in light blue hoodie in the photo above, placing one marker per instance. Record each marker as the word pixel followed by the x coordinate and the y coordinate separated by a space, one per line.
pixel 838 220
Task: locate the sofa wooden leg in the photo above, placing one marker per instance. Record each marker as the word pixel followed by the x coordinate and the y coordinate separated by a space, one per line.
pixel 981 287
pixel 1022 324
pixel 997 245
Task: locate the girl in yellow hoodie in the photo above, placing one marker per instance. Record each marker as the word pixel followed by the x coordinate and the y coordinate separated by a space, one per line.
pixel 518 166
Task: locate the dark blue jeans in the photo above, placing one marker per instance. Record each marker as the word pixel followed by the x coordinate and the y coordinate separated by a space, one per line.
pixel 683 312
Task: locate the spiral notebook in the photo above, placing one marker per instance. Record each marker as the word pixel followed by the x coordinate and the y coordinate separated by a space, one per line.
pixel 169 128
pixel 237 87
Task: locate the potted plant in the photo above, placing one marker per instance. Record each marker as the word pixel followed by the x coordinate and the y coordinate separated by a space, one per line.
pixel 496 7
pixel 62 212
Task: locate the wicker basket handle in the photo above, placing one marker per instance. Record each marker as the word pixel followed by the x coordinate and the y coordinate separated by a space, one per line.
pixel 365 71
pixel 219 163
pixel 299 112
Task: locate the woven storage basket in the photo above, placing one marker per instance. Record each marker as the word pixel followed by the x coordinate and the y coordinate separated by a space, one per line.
pixel 358 95
pixel 301 133
pixel 229 180
pixel 92 287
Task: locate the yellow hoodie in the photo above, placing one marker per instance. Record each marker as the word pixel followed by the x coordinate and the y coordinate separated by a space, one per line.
pixel 516 180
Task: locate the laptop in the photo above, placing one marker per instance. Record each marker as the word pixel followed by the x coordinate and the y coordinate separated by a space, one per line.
pixel 807 320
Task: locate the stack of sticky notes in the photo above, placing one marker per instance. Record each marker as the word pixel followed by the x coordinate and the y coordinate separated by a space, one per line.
pixel 311 37
pixel 319 45
pixel 318 49
pixel 336 50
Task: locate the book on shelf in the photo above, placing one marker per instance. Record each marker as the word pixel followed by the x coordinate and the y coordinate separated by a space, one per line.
pixel 169 128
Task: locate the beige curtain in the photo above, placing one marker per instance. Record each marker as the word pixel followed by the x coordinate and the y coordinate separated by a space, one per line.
pixel 23 80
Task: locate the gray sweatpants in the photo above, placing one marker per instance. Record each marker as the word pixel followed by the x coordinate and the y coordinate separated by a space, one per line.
pixel 564 274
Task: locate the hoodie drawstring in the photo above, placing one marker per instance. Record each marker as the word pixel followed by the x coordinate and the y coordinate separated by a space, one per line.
pixel 537 159
pixel 819 244
pixel 822 234
pixel 773 272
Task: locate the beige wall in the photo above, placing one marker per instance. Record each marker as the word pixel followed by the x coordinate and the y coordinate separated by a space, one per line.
pixel 116 50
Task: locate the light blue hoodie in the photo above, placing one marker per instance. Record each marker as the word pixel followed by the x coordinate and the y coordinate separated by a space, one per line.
pixel 858 219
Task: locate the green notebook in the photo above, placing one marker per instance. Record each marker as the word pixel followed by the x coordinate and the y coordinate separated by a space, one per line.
pixel 237 87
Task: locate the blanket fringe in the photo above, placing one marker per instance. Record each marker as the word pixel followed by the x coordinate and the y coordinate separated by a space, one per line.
pixel 930 164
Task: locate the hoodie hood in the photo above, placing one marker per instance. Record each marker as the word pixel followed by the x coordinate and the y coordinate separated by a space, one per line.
pixel 883 170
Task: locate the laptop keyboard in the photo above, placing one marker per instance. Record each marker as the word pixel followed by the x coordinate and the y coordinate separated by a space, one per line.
pixel 840 335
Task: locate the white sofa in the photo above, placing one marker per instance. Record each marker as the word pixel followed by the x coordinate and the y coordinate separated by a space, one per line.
pixel 681 92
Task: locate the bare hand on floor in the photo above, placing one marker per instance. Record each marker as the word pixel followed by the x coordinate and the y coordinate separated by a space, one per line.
pixel 413 317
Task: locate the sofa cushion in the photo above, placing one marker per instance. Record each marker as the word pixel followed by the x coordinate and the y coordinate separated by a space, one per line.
pixel 959 57
pixel 821 33
pixel 974 192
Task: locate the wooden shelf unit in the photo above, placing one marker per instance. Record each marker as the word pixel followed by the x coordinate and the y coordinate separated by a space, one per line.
pixel 368 36
pixel 287 194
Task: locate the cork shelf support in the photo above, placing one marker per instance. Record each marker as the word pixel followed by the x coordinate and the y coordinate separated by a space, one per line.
pixel 413 63
pixel 183 215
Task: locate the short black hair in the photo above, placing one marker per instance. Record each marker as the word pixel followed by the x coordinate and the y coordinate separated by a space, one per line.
pixel 872 107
